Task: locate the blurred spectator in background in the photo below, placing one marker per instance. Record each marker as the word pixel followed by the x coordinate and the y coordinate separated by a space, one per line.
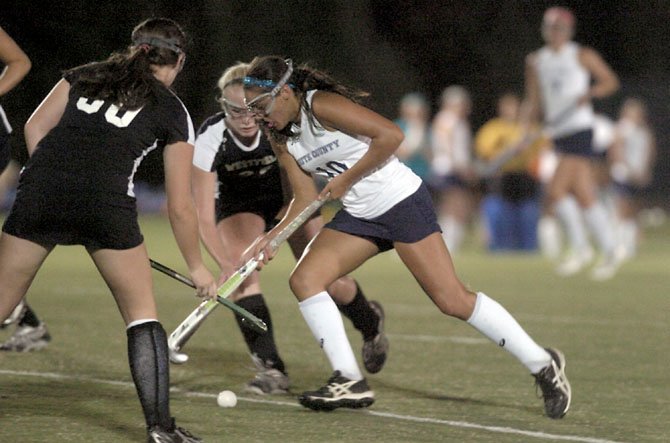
pixel 414 120
pixel 632 158
pixel 562 79
pixel 16 66
pixel 511 208
pixel 451 167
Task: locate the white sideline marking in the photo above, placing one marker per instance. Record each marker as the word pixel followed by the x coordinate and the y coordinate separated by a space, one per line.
pixel 410 418
pixel 440 338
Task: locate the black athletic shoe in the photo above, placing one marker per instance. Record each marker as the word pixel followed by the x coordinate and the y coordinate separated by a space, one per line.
pixel 554 385
pixel 376 350
pixel 177 435
pixel 268 380
pixel 340 392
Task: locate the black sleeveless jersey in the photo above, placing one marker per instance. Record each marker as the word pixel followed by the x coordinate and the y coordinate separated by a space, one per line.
pixel 244 172
pixel 97 147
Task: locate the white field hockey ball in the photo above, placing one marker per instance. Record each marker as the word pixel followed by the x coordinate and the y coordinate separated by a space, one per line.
pixel 226 399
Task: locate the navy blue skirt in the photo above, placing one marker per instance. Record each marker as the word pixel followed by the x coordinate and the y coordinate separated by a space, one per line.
pixel 409 221
pixel 579 143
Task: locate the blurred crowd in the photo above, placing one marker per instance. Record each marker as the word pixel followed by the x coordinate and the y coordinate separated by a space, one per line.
pixel 489 184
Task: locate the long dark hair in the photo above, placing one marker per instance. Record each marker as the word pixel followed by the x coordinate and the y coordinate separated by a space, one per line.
pixel 304 78
pixel 126 77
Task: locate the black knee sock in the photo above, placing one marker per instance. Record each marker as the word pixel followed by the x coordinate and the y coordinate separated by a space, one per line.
pixel 361 315
pixel 261 345
pixel 29 318
pixel 148 358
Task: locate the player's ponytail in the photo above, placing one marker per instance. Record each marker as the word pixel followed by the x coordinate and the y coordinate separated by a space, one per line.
pixel 127 78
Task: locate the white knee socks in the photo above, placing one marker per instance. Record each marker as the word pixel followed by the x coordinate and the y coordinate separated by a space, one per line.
pixel 492 320
pixel 601 226
pixel 570 215
pixel 323 318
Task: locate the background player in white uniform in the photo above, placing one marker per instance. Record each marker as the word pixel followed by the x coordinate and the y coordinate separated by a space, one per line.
pixel 385 206
pixel 558 80
pixel 631 158
pixel 86 141
pixel 452 173
pixel 234 161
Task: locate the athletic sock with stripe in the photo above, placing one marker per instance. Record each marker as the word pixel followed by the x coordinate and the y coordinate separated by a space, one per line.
pixel 261 345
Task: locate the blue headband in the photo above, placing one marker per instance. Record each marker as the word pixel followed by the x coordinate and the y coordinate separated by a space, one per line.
pixel 253 81
pixel 266 84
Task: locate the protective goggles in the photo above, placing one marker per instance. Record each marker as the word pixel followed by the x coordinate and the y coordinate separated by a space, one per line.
pixel 234 110
pixel 262 105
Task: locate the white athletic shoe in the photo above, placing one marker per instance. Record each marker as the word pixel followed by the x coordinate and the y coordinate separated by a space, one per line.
pixel 574 262
pixel 606 267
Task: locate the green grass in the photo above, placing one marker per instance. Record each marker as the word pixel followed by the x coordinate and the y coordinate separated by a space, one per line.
pixel 441 383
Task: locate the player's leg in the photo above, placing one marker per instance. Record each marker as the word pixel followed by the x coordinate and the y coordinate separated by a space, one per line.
pixel 451 208
pixel 560 194
pixel 628 231
pixel 238 231
pixel 366 316
pixel 128 276
pixel 585 189
pixel 331 255
pixel 19 261
pixel 430 263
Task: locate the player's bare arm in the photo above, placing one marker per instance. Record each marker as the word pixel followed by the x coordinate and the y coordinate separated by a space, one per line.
pixel 605 81
pixel 530 109
pixel 47 115
pixel 337 112
pixel 204 189
pixel 17 64
pixel 181 212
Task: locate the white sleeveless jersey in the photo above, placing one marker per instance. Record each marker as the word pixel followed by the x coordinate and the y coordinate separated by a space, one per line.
pixel 451 144
pixel 636 146
pixel 329 153
pixel 563 80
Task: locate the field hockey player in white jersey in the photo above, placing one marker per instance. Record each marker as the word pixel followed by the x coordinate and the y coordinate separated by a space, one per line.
pixel 240 194
pixel 318 127
pixel 86 140
pixel 562 78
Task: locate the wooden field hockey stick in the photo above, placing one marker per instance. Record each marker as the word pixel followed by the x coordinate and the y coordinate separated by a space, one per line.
pixel 195 319
pixel 247 317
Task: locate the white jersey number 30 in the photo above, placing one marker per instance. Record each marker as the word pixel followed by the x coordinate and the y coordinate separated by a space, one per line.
pixel 112 114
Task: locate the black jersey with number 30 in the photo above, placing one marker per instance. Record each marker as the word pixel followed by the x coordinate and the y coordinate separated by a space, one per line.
pixel 98 146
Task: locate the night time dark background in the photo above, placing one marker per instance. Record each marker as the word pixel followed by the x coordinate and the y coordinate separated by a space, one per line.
pixel 386 47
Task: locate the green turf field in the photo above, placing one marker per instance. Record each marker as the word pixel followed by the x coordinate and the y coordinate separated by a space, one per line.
pixel 442 381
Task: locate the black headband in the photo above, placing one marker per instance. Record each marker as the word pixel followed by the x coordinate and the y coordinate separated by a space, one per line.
pixel 159 43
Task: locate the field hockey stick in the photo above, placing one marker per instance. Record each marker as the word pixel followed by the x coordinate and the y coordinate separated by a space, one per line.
pixel 247 317
pixel 195 319
pixel 529 139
